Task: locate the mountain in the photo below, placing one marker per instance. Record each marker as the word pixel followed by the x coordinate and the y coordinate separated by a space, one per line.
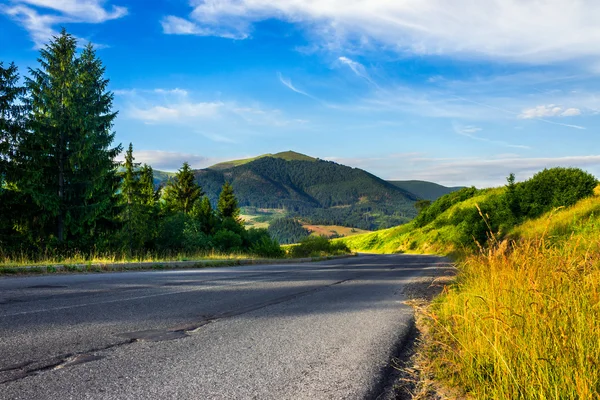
pixel 285 155
pixel 317 191
pixel 425 190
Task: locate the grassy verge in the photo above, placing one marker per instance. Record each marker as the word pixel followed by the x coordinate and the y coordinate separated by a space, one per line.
pixel 522 320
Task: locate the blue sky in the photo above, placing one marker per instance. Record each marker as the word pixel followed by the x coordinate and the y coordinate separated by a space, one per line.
pixel 460 93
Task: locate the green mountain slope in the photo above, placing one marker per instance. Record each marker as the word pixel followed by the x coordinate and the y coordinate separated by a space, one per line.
pixel 425 190
pixel 465 219
pixel 285 155
pixel 317 191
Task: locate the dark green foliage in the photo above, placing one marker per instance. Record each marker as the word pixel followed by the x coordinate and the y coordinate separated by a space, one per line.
pixel 13 210
pixel 421 205
pixel 263 245
pixel 137 205
pixel 499 212
pixel 227 241
pixel 182 191
pixel 442 204
pixel 287 230
pixel 171 236
pixel 315 246
pixel 228 204
pixel 203 213
pixel 66 155
pixel 552 188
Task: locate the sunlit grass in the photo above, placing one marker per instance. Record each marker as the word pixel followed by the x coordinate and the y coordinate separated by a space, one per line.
pixel 523 319
pixel 24 260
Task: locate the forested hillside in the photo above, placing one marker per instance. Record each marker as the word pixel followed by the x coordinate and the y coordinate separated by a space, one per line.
pixel 318 191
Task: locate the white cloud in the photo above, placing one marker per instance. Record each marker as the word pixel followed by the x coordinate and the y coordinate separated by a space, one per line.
pixel 176 112
pixel 173 25
pixel 550 110
pixel 178 106
pixel 39 17
pixel 170 160
pixel 477 171
pixel 522 31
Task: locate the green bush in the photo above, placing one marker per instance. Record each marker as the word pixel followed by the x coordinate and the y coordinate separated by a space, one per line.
pixel 227 241
pixel 194 239
pixel 267 247
pixel 316 246
pixel 552 188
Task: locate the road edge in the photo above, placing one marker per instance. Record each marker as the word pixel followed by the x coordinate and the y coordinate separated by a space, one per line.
pixel 152 266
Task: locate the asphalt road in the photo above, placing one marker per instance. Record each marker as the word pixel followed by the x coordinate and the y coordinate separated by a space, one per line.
pixel 317 330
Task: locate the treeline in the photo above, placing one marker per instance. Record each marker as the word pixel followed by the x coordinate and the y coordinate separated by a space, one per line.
pixel 62 191
pixel 288 230
pixel 499 211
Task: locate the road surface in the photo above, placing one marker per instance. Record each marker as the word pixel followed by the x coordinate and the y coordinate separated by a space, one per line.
pixel 317 330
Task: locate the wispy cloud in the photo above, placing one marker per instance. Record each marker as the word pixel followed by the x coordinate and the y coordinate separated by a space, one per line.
pixel 543 31
pixel 358 69
pixel 179 106
pixel 471 132
pixel 288 83
pixel 39 17
pixel 173 25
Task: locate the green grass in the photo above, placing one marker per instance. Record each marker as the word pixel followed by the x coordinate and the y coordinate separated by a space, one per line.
pixel 441 236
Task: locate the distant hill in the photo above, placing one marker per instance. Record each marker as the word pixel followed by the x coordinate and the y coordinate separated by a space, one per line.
pixel 317 191
pixel 161 177
pixel 426 190
pixel 285 155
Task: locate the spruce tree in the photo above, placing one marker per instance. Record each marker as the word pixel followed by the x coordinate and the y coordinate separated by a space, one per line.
pixel 12 202
pixel 146 186
pixel 203 213
pixel 130 197
pixel 182 191
pixel 228 204
pixel 67 154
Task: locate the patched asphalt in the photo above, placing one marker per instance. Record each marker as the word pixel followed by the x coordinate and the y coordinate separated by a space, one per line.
pixel 316 330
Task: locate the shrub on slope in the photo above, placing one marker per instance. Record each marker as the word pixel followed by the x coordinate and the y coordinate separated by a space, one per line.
pixel 523 319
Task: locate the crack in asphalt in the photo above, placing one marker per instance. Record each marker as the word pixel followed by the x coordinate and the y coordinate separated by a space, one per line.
pixel 153 335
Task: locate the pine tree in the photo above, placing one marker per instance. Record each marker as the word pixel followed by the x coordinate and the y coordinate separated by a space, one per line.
pixel 228 205
pixel 11 117
pixel 204 214
pixel 130 196
pixel 149 196
pixel 67 154
pixel 11 130
pixel 182 192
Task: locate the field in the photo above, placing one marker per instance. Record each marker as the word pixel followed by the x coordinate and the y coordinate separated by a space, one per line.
pixel 333 230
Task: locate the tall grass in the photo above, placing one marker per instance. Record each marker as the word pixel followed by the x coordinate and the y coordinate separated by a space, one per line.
pixel 523 320
pixel 49 258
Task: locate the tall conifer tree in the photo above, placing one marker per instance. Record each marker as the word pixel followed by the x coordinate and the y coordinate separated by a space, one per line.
pixel 68 155
pixel 11 130
pixel 182 192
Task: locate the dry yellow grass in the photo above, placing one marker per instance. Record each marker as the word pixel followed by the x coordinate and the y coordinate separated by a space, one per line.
pixel 523 320
pixel 330 230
